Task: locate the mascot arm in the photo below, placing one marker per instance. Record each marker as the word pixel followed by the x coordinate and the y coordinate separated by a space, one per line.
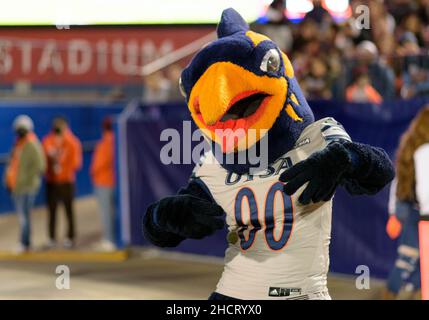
pixel 370 170
pixel 192 213
pixel 360 168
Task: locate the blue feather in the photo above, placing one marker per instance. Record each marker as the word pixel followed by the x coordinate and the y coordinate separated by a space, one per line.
pixel 231 23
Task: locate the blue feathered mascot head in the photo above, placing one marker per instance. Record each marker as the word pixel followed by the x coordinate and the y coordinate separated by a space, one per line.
pixel 241 89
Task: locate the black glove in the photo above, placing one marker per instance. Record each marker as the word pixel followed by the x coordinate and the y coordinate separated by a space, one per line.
pixel 323 171
pixel 188 216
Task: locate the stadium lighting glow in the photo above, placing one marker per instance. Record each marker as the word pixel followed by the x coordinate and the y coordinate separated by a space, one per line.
pixel 337 5
pixel 339 9
pixel 92 12
pixel 296 9
pixel 299 6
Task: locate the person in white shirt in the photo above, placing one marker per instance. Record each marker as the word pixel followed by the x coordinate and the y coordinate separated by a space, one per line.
pixel 409 207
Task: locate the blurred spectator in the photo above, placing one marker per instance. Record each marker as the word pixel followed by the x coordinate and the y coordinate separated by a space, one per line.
pixel 408 45
pixel 156 88
pixel 415 81
pixel 23 175
pixel 380 74
pixel 276 12
pixel 280 33
pixel 344 39
pixel 400 8
pixel 424 11
pixel 173 74
pixel 308 31
pixel 318 14
pixel 412 23
pixel 382 27
pixel 316 83
pixel 63 151
pixel 103 179
pixel 415 71
pixel 361 90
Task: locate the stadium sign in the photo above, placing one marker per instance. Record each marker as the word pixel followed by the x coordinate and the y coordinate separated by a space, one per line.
pixel 86 55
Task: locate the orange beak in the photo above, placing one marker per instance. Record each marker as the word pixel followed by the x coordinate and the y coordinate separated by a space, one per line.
pixel 235 107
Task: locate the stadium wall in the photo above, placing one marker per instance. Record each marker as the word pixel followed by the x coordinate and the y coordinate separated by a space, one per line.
pixel 358 235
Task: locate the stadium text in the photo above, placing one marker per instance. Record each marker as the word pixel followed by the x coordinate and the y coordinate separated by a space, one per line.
pixel 86 55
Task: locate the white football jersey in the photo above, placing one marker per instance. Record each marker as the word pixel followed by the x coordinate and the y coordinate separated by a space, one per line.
pixel 278 248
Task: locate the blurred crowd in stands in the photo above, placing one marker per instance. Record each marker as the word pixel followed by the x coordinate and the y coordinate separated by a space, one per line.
pixel 349 61
pixel 344 60
pixel 376 50
pixel 161 87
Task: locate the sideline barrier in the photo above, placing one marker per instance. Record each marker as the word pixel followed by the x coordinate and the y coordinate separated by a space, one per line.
pixel 65 256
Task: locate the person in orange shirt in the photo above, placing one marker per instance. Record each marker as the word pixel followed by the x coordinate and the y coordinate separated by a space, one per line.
pixel 63 152
pixel 361 89
pixel 103 178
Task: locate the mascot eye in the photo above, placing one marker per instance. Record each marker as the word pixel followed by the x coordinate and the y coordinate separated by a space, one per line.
pixel 271 61
pixel 182 88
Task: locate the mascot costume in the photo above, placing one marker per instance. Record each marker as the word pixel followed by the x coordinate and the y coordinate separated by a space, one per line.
pixel 278 216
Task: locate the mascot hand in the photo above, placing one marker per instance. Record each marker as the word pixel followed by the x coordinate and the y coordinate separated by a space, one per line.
pixel 393 227
pixel 323 171
pixel 189 216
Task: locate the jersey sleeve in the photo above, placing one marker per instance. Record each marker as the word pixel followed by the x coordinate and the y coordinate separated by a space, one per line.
pixel 372 168
pixel 196 185
pixel 333 131
pixel 421 160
